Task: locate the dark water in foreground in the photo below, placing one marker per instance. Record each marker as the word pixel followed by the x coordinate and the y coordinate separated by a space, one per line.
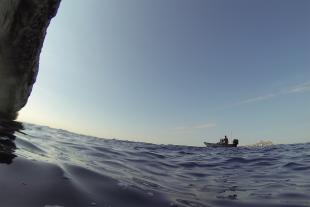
pixel 41 166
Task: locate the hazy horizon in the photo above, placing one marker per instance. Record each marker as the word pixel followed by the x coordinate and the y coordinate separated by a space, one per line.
pixel 176 72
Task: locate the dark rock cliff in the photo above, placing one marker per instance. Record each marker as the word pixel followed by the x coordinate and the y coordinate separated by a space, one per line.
pixel 23 25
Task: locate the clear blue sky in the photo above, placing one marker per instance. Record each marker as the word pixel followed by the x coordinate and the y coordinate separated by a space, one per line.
pixel 177 71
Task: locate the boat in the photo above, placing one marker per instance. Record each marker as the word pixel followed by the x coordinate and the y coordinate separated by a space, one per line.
pixel 221 144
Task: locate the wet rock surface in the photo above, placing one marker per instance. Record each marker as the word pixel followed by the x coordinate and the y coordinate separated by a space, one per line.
pixel 23 25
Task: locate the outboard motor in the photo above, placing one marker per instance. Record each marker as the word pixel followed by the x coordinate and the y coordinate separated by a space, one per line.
pixel 235 142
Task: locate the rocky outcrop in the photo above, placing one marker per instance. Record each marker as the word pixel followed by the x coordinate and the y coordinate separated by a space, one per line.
pixel 23 25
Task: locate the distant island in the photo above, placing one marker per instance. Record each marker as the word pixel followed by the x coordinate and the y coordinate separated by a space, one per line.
pixel 262 143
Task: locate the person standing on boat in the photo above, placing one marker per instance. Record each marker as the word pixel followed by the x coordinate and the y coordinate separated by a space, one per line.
pixel 225 140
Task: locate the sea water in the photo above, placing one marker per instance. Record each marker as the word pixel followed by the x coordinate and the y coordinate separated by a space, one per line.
pixel 42 166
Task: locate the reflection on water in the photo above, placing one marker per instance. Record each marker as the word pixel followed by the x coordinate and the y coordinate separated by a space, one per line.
pixel 53 167
pixel 7 140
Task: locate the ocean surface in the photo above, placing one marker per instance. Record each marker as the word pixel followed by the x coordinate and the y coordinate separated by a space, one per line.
pixel 42 166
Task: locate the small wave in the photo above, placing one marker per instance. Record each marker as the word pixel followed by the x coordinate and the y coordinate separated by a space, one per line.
pixel 55 167
pixel 296 166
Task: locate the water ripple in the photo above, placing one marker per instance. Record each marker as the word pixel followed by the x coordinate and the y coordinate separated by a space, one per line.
pixel 102 172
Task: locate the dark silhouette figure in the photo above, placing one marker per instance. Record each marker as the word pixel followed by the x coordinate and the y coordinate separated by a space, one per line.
pixel 225 140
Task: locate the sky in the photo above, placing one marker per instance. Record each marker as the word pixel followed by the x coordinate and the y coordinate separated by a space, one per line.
pixel 176 71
